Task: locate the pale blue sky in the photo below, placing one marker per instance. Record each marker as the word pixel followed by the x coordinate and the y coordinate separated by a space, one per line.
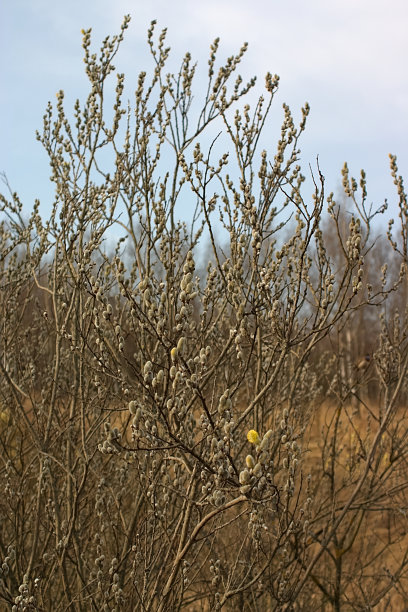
pixel 347 58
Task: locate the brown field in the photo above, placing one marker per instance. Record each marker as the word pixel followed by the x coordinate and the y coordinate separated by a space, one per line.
pixel 379 543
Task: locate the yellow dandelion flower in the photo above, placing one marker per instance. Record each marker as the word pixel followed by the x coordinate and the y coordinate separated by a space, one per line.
pixel 253 437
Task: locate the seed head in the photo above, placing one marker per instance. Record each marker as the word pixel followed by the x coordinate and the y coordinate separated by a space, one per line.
pixel 250 461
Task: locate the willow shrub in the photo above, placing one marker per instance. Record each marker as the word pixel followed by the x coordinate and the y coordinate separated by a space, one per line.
pixel 159 393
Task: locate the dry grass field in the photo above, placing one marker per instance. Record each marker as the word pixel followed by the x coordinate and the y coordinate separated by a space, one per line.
pixel 372 543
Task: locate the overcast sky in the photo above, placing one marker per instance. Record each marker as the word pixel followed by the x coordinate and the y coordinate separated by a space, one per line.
pixel 347 58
